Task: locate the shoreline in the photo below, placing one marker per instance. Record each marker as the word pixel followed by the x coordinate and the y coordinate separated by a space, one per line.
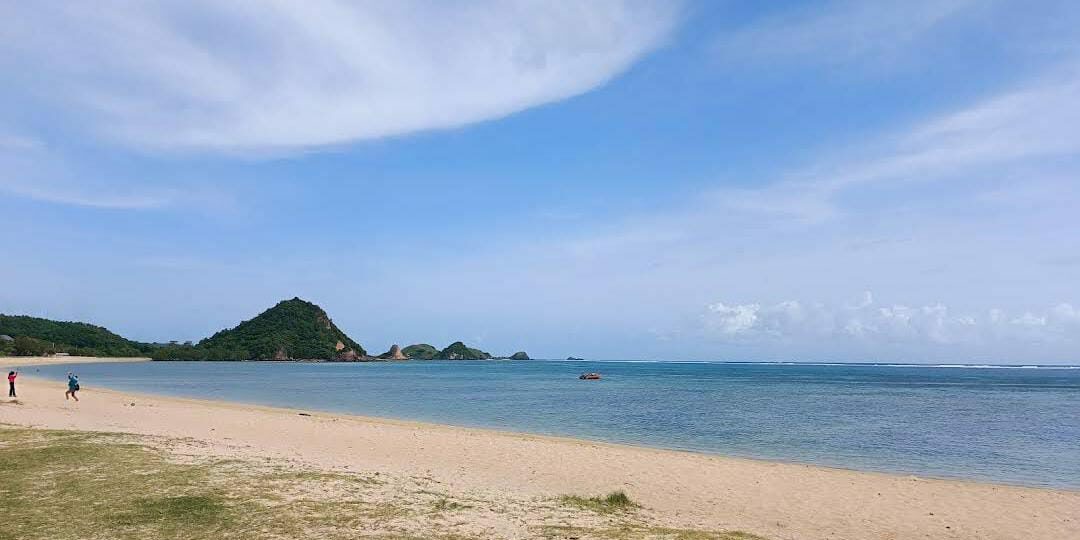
pixel 408 422
pixel 74 360
pixel 422 424
pixel 683 488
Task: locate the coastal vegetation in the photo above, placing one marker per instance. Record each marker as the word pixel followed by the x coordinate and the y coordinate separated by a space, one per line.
pixel 616 501
pixel 68 485
pixel 420 351
pixel 33 336
pixel 455 351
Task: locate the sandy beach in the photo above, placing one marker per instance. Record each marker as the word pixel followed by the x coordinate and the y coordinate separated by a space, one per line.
pixel 676 489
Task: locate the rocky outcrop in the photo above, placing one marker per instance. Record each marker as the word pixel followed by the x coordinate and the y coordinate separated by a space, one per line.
pixel 350 356
pixel 393 354
pixel 520 355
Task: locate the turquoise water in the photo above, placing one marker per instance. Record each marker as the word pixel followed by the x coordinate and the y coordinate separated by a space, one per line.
pixel 1018 426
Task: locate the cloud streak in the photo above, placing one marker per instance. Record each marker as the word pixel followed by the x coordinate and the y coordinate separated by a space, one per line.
pixel 841 32
pixel 273 76
pixel 31 169
pixel 1015 128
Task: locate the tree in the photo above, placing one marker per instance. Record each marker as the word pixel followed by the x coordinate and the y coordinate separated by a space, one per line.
pixel 28 346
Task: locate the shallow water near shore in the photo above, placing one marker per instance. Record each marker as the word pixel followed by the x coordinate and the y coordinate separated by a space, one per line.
pixel 1019 426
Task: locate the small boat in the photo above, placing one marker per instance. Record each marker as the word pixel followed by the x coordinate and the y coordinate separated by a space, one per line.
pixel 589 376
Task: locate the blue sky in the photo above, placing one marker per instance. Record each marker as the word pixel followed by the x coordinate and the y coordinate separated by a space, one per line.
pixel 841 181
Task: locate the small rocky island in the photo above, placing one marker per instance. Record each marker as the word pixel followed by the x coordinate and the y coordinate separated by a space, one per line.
pixel 393 354
pixel 459 351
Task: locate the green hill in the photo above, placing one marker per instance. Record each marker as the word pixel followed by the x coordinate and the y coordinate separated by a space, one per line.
pixel 292 330
pixel 420 351
pixel 34 336
pixel 458 351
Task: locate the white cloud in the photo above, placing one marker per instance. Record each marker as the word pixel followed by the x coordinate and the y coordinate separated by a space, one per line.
pixel 266 76
pixel 733 320
pixel 871 323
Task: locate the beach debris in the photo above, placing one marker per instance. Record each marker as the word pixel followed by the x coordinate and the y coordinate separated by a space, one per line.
pixel 303 414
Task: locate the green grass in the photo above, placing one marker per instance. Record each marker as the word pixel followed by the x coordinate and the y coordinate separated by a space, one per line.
pixel 176 511
pixel 71 485
pixel 65 485
pixel 616 501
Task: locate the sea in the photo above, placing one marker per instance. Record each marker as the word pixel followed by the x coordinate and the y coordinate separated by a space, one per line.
pixel 1006 424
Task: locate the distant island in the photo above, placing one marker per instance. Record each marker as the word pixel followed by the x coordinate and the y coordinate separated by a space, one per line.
pixel 291 330
pixel 455 351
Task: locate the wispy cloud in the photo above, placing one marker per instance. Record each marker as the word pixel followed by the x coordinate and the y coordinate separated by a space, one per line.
pixel 1035 121
pixel 842 32
pixel 18 143
pixel 32 170
pixel 79 197
pixel 967 201
pixel 272 76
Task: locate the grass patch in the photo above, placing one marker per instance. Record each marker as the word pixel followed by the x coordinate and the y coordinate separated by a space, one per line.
pixel 61 485
pixel 84 485
pixel 181 510
pixel 446 504
pixel 616 501
pixel 73 485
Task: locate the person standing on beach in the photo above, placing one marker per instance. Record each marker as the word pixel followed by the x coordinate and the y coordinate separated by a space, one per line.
pixel 73 386
pixel 11 383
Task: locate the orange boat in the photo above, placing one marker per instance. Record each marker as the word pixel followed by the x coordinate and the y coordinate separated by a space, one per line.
pixel 589 376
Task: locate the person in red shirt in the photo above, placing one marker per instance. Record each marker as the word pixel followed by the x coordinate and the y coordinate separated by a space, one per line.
pixel 11 383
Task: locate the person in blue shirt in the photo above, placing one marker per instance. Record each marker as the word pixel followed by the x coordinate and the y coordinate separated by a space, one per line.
pixel 73 386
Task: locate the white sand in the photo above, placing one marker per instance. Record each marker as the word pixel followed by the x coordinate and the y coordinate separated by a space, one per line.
pixel 777 500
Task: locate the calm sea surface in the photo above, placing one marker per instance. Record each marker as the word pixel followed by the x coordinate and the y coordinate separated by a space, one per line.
pixel 1013 425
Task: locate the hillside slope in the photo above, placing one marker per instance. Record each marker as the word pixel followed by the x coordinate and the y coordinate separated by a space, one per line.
pixel 291 330
pixel 74 338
